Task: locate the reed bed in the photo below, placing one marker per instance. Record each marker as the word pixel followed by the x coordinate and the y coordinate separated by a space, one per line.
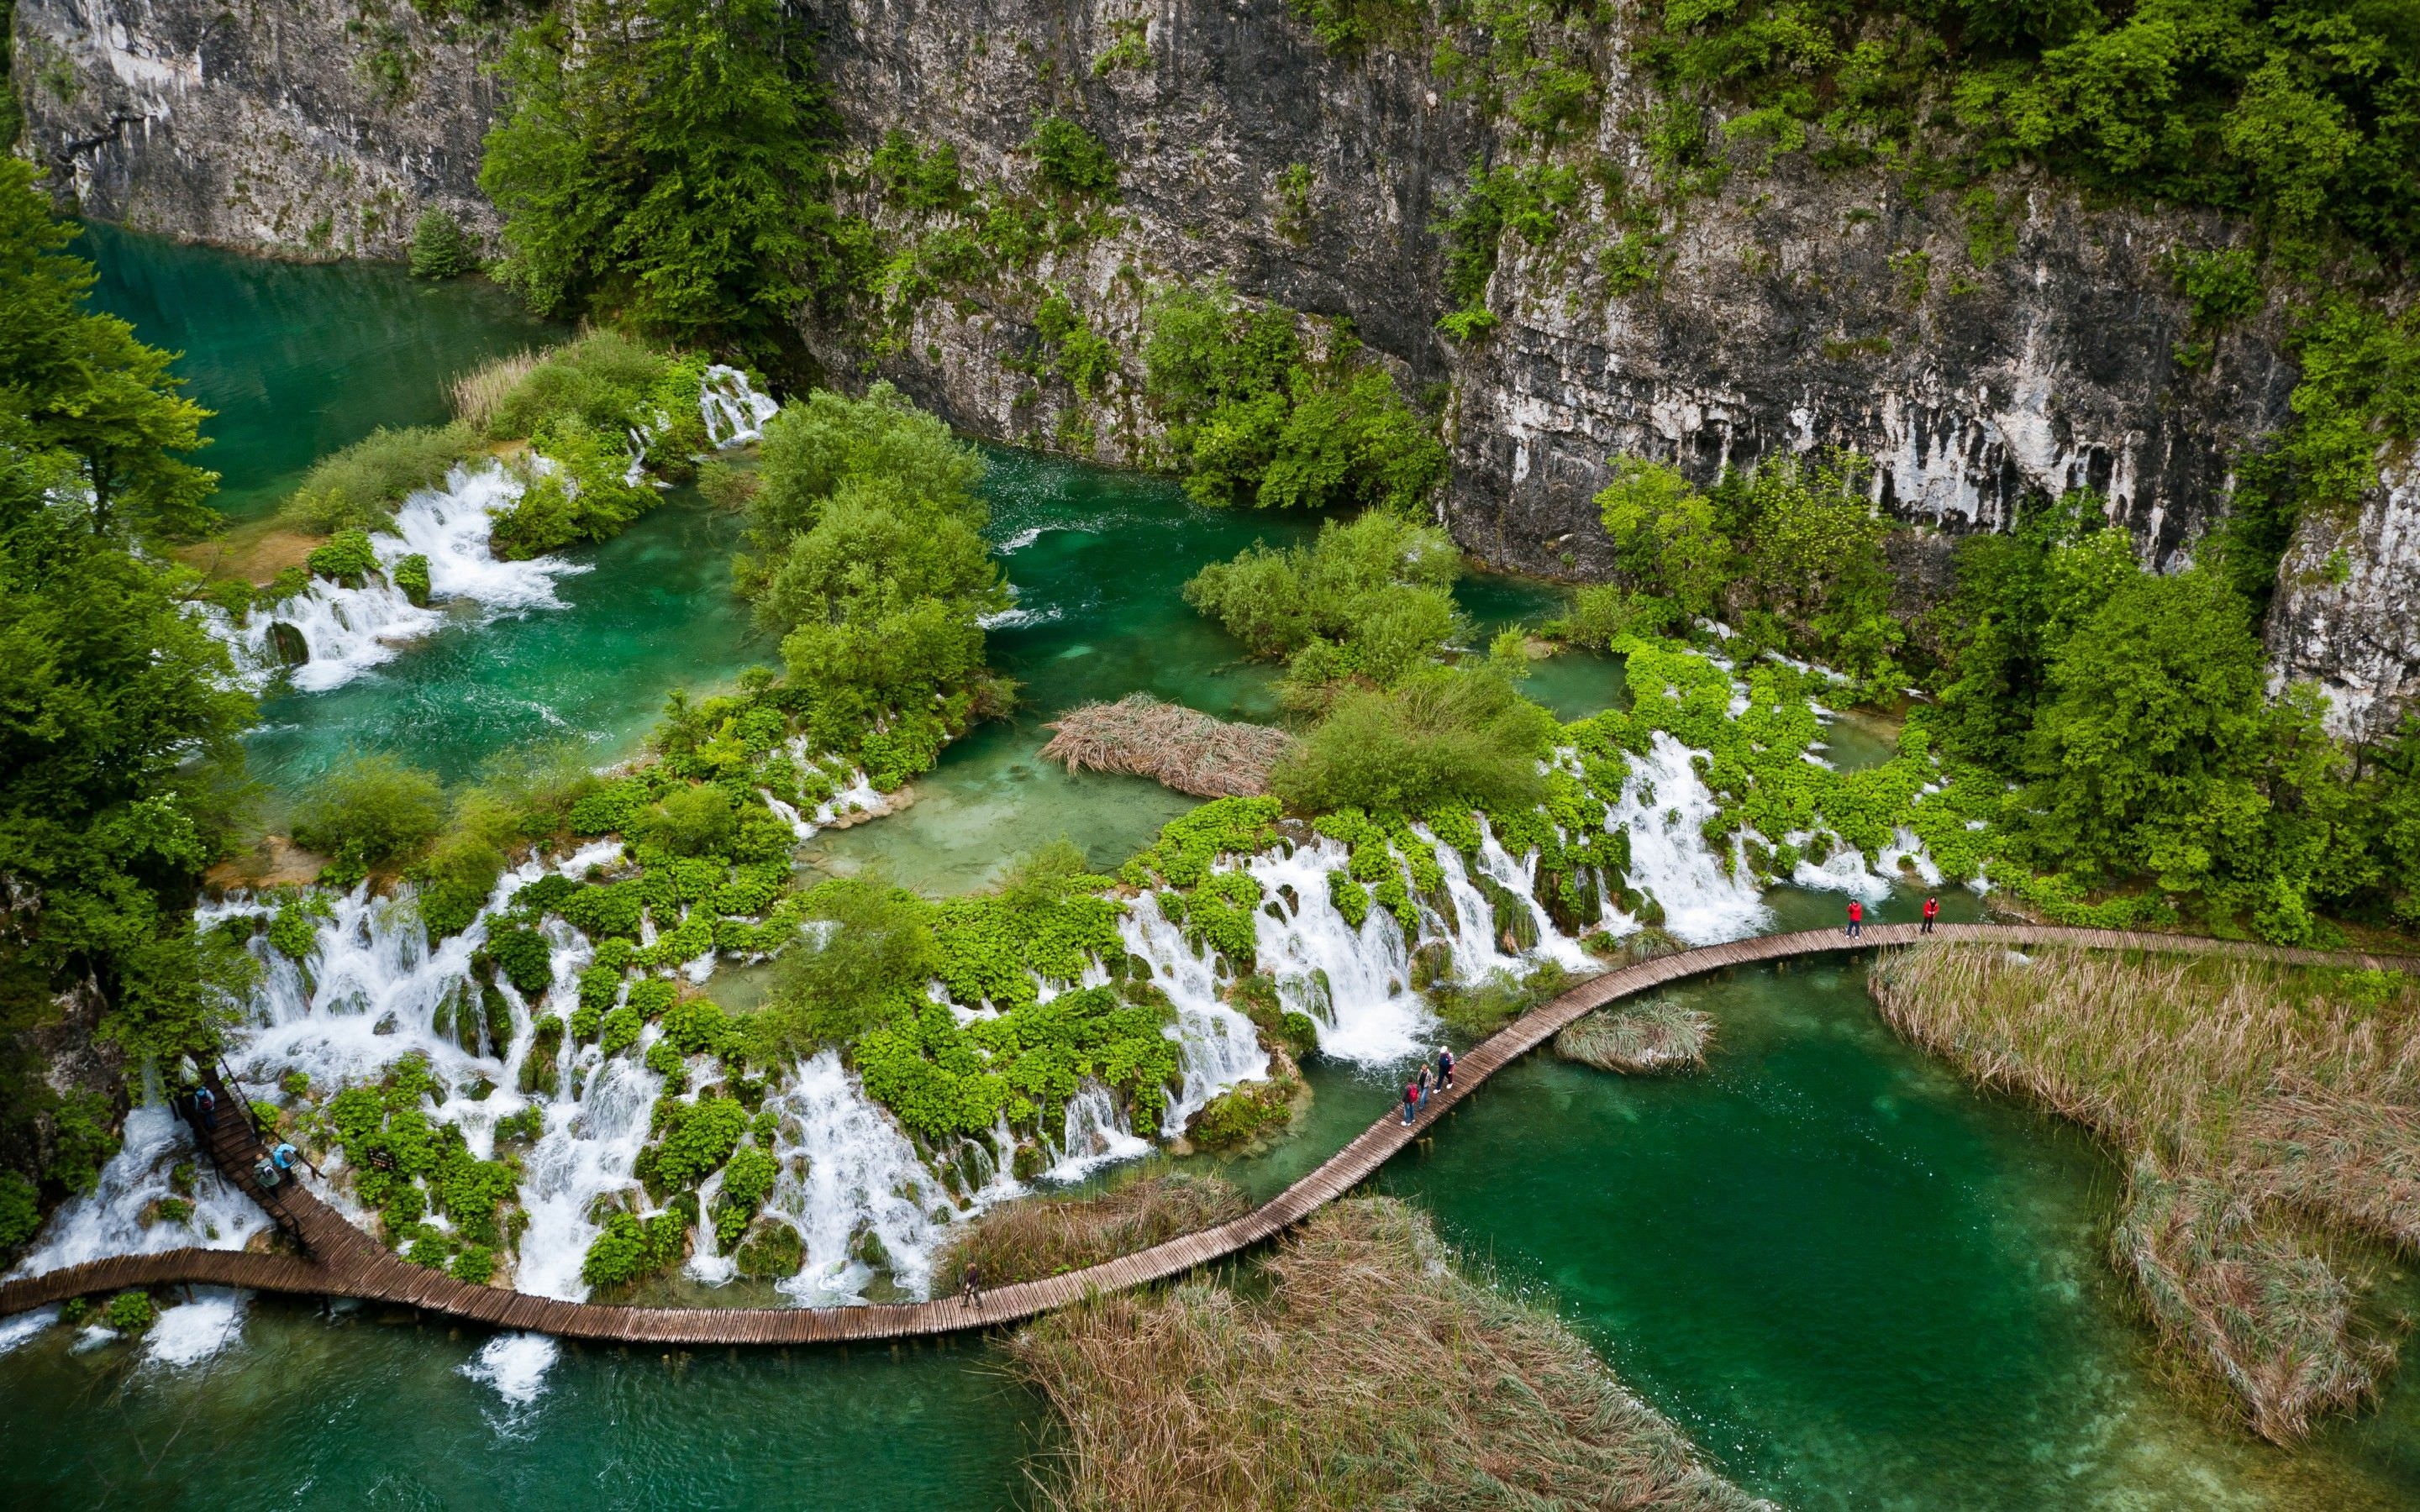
pixel 1180 747
pixel 479 394
pixel 2268 1113
pixel 1369 1373
pixel 1638 1038
pixel 1036 1237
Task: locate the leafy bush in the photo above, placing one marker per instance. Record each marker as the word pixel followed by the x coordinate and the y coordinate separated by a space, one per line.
pixel 585 495
pixel 370 810
pixel 630 1249
pixel 129 1312
pixel 1071 160
pixel 1254 419
pixel 358 489
pixel 347 559
pixel 864 957
pixel 20 1211
pixel 410 578
pixel 1446 737
pixel 1375 595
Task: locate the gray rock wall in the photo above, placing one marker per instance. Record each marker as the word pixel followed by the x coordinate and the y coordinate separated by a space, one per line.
pixel 296 127
pixel 2346 613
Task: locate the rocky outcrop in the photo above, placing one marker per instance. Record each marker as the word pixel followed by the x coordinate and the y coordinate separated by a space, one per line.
pixel 1973 353
pixel 297 128
pixel 2347 615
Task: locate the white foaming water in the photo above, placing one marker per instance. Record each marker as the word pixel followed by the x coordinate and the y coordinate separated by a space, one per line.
pixel 734 411
pixel 1217 1046
pixel 1094 1134
pixel 516 1365
pixel 108 1220
pixel 1019 541
pixel 190 1334
pixel 349 630
pixel 1703 903
pixel 1356 984
pixel 862 1176
pixel 20 1331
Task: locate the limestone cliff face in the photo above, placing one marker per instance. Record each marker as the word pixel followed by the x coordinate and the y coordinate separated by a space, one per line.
pixel 1797 309
pixel 2346 613
pixel 1972 356
pixel 298 128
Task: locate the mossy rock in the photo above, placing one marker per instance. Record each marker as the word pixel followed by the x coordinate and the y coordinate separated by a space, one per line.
pixel 771 1251
pixel 1432 964
pixel 1511 924
pixel 867 1249
pixel 1570 898
pixel 1241 1115
pixel 1028 1161
pixel 286 645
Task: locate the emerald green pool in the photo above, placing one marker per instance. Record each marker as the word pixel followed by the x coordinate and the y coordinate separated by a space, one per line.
pixel 1855 1281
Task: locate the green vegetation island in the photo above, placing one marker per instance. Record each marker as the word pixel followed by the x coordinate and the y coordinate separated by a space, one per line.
pixel 729 657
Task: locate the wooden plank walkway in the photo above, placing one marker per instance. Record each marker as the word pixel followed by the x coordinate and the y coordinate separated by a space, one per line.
pixel 340 1261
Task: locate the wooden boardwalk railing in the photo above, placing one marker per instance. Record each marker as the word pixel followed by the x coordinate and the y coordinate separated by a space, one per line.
pixel 342 1261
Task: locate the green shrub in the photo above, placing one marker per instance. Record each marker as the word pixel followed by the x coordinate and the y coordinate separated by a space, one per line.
pixel 1240 1115
pixel 1446 737
pixel 20 1211
pixel 359 487
pixel 524 957
pixel 586 496
pixel 370 810
pixel 294 929
pixel 630 1249
pixel 347 559
pixel 1071 160
pixel 1371 599
pixel 871 956
pixel 439 248
pixel 129 1312
pixel 410 578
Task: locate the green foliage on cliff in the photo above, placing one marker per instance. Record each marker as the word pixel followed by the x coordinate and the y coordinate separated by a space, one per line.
pixel 1253 417
pixel 664 163
pixel 2306 115
pixel 1071 160
pixel 866 557
pixel 118 717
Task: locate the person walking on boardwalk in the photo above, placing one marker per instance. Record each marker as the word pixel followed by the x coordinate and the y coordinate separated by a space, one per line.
pixel 1932 912
pixel 1856 919
pixel 1445 1067
pixel 207 1104
pixel 1427 1082
pixel 972 1293
pixel 1411 1099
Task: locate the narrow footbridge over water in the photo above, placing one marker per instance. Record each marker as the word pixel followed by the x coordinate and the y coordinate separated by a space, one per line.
pixel 340 1261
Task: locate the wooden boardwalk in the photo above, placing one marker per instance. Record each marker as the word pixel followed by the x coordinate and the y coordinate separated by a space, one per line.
pixel 342 1261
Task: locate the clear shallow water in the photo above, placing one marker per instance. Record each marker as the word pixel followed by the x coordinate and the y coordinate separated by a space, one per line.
pixel 301 359
pixel 369 1409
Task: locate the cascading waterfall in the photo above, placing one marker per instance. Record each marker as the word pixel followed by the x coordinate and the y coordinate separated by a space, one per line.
pixel 1665 806
pixel 853 1187
pixel 735 412
pixel 349 630
pixel 1217 1047
pixel 110 1219
pixel 1094 1134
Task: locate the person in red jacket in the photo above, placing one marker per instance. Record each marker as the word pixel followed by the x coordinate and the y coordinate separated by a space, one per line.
pixel 1932 912
pixel 1856 919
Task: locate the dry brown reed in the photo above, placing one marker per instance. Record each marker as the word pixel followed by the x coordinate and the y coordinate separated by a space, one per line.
pixel 1037 1237
pixel 1370 1374
pixel 1181 748
pixel 478 393
pixel 1639 1037
pixel 2266 1110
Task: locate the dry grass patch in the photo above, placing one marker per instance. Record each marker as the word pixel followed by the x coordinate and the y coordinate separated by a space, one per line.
pixel 480 394
pixel 1373 1373
pixel 2270 1114
pixel 1183 748
pixel 1033 1238
pixel 1639 1039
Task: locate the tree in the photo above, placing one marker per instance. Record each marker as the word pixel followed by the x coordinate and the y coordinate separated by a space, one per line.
pixel 662 162
pixel 119 712
pixel 1666 537
pixel 81 384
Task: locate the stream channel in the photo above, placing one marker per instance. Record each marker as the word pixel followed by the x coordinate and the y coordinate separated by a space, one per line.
pixel 1852 1280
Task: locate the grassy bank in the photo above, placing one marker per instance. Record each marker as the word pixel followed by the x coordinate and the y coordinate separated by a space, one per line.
pixel 1369 1372
pixel 2269 1116
pixel 1037 1237
pixel 1639 1039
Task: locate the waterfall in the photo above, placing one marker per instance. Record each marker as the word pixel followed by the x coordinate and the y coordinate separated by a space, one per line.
pixel 734 411
pixel 853 1187
pixel 1664 806
pixel 1356 984
pixel 349 630
pixel 1217 1046
pixel 109 1219
pixel 1096 1133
